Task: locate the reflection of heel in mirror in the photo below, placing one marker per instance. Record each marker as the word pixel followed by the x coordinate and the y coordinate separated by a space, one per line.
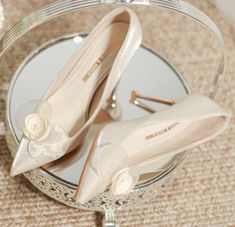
pixel 135 96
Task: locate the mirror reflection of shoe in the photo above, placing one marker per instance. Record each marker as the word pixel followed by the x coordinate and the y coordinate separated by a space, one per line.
pixel 119 151
pixel 60 122
pixel 136 100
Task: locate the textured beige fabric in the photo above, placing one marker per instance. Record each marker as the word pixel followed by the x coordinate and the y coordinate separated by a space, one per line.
pixel 202 193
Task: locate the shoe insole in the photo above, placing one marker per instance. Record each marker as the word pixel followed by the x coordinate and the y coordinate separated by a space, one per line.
pixel 69 103
pixel 169 138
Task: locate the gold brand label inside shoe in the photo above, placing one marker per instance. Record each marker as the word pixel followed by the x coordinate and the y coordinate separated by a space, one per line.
pixel 93 68
pixel 161 132
pixel 100 60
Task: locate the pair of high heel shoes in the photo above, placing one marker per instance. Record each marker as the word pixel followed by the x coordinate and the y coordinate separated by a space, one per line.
pixel 117 152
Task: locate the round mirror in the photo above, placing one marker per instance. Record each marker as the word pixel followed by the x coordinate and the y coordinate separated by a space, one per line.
pixel 147 73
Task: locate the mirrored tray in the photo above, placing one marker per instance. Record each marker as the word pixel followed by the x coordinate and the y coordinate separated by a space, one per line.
pixel 37 71
pixel 32 53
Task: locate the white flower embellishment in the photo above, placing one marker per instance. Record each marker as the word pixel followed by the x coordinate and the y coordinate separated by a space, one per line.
pixel 36 127
pixel 124 181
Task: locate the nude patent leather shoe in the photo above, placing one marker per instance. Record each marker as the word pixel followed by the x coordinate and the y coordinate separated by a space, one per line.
pixel 60 122
pixel 119 151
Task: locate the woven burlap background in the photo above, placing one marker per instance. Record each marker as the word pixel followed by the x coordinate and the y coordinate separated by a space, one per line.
pixel 202 193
